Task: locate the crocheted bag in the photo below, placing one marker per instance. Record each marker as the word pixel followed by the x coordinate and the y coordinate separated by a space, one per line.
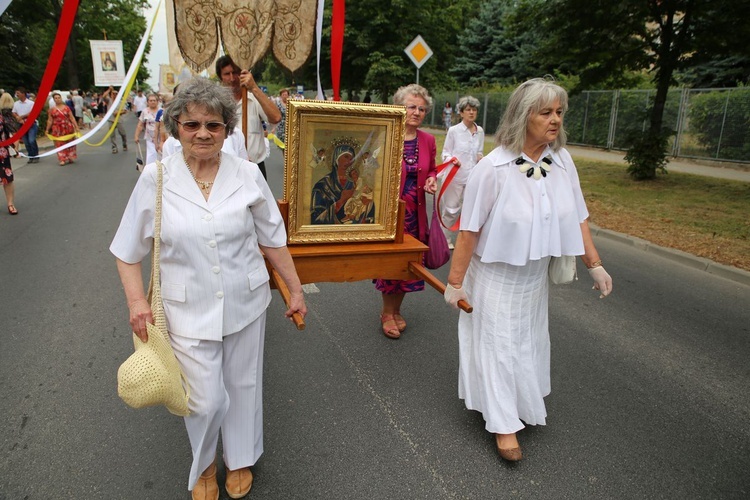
pixel 151 375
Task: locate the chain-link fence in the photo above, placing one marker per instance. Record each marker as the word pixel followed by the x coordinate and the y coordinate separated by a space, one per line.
pixel 706 123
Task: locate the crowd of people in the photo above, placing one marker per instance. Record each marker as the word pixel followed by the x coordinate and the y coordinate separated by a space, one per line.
pixel 515 209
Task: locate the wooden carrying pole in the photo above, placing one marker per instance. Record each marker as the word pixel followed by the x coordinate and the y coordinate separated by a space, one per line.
pixel 244 114
pixel 422 272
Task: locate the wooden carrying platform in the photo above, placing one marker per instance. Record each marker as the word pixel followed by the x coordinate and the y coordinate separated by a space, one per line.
pixel 400 259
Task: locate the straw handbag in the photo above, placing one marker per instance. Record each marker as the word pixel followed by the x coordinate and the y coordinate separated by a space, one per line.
pixel 151 375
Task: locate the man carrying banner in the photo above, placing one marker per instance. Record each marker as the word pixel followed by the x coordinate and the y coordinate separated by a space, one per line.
pixel 260 108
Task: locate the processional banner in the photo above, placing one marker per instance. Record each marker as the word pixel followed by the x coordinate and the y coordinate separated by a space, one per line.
pixel 247 30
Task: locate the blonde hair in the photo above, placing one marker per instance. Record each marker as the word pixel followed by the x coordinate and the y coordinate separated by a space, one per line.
pixel 530 97
pixel 6 101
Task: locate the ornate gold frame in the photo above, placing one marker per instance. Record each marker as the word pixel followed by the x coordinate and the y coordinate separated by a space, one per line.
pixel 312 125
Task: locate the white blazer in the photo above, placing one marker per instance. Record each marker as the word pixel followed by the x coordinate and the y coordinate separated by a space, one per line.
pixel 213 276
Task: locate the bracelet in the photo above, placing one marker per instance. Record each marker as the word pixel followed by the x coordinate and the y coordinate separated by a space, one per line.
pixel 598 263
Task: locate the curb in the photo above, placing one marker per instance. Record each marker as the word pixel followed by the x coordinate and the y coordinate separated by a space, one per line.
pixel 700 263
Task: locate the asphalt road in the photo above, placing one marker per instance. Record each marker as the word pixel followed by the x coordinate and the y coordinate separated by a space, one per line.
pixel 649 387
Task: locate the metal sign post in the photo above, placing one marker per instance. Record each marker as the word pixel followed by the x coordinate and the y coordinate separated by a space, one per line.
pixel 418 51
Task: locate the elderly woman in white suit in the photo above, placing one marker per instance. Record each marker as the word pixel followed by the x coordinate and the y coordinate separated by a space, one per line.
pixel 522 205
pixel 218 215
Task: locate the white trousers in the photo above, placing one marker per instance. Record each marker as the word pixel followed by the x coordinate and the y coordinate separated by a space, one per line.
pixel 226 394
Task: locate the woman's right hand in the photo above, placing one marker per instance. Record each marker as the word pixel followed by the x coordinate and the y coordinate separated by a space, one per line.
pixel 452 295
pixel 140 314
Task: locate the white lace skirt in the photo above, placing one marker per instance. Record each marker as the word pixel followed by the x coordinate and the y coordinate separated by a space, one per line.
pixel 504 358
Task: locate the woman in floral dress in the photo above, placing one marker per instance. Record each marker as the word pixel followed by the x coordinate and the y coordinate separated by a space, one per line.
pixel 418 174
pixel 61 123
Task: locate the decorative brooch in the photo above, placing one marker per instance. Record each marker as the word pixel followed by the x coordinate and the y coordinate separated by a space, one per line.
pixel 533 169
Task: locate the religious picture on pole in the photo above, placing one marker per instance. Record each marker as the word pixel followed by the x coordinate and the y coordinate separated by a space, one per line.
pixel 108 62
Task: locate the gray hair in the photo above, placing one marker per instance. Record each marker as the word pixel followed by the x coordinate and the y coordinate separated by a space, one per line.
pixel 206 94
pixel 467 102
pixel 530 97
pixel 412 89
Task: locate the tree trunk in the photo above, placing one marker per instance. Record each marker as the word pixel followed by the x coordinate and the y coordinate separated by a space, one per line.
pixel 71 65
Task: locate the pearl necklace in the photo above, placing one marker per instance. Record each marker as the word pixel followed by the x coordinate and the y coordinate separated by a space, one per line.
pixel 204 185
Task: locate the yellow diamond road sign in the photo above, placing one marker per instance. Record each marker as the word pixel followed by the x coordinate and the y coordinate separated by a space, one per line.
pixel 418 51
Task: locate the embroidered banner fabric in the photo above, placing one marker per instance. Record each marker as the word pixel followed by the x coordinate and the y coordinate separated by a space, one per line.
pixel 247 29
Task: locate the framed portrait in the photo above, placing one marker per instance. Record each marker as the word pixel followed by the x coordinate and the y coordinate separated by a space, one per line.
pixel 342 171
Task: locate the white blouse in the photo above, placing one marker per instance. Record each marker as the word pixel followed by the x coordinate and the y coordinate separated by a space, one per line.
pixel 521 218
pixel 466 147
pixel 213 276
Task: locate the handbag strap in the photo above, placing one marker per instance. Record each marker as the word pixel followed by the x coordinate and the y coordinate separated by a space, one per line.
pixel 154 286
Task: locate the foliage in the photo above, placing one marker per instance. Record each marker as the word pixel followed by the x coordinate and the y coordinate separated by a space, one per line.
pixel 29 27
pixel 377 33
pixel 609 40
pixel 721 122
pixel 727 71
pixel 385 73
pixel 647 155
pixel 488 53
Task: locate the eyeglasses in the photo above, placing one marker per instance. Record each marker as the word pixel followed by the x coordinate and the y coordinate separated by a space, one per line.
pixel 413 107
pixel 193 126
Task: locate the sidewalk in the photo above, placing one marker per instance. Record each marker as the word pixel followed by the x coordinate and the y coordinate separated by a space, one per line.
pixel 707 168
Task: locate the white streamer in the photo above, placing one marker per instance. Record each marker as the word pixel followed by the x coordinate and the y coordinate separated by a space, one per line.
pixel 318 37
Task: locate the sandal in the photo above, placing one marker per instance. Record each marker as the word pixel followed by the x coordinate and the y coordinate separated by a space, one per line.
pixel 400 322
pixel 62 163
pixel 390 329
pixel 12 210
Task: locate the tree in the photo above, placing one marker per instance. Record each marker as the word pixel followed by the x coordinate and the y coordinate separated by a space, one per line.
pixel 28 29
pixel 490 54
pixel 599 40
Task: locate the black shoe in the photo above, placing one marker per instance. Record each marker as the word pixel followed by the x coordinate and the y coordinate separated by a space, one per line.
pixel 124 147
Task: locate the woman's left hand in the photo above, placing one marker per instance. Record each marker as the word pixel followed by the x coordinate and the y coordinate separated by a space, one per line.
pixel 430 185
pixel 602 281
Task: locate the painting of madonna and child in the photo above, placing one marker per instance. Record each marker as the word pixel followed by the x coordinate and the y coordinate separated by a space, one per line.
pixel 342 171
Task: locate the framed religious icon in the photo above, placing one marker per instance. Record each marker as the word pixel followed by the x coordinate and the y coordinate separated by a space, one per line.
pixel 342 171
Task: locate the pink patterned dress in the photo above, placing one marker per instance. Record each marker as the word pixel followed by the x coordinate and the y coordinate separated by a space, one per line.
pixel 61 126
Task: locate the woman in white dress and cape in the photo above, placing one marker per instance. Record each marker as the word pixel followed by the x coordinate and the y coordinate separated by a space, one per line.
pixel 522 205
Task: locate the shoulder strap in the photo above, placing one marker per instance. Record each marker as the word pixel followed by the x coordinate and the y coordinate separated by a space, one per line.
pixel 154 286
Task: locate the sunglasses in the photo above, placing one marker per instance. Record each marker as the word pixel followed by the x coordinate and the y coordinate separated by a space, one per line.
pixel 192 126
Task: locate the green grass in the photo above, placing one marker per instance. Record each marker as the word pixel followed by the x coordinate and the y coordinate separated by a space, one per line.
pixel 700 215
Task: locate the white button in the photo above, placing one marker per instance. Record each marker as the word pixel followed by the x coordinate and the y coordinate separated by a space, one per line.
pixel 215 269
pixel 544 194
pixel 219 295
pixel 212 244
pixel 208 217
